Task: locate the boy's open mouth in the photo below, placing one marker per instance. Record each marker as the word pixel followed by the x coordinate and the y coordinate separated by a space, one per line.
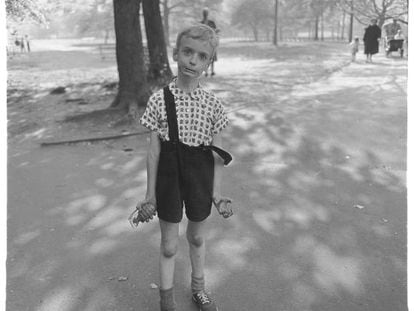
pixel 190 70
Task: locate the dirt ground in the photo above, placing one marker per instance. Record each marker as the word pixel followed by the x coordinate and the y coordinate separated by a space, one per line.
pixel 318 183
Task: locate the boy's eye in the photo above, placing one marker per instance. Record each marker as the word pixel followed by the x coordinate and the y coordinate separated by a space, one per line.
pixel 187 52
pixel 203 57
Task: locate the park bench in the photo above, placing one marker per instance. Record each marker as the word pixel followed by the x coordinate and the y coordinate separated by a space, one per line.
pixel 107 51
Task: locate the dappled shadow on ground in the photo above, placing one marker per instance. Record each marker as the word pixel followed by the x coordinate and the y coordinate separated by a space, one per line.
pixel 77 249
pixel 318 183
pixel 81 111
pixel 299 238
pixel 321 198
pixel 297 241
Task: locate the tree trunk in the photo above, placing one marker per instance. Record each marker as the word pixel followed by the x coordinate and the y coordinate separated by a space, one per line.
pixel 255 33
pixel 343 26
pixel 106 36
pixel 281 34
pixel 338 31
pixel 166 17
pixel 351 22
pixel 351 27
pixel 275 22
pixel 322 27
pixel 159 69
pixel 133 89
pixel 316 37
pixel 381 20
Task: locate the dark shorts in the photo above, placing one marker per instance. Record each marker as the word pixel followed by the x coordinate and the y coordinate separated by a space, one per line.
pixel 189 184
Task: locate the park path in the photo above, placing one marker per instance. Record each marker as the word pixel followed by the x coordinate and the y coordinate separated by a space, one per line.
pixel 318 182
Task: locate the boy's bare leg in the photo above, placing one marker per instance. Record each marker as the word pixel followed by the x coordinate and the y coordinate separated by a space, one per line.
pixel 169 243
pixel 195 237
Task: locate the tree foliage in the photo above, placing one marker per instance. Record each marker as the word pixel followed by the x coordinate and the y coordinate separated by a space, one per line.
pixel 255 15
pixel 25 9
pixel 97 18
pixel 382 10
pixel 316 17
pixel 188 10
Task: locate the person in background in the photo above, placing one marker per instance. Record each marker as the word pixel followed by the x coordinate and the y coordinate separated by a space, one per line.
pixel 27 42
pixel 391 29
pixel 354 45
pixel 371 39
pixel 212 24
pixel 399 35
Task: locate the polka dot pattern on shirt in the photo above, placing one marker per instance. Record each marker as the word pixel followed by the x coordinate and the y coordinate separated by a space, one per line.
pixel 200 115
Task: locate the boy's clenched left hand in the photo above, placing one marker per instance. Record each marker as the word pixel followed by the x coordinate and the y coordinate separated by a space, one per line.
pixel 144 212
pixel 223 205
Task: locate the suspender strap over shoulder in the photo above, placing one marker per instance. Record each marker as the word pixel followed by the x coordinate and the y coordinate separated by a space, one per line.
pixel 171 115
pixel 173 126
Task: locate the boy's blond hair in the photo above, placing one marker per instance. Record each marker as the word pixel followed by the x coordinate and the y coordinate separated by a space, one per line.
pixel 199 32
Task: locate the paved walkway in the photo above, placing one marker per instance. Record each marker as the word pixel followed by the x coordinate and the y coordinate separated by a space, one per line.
pixel 320 207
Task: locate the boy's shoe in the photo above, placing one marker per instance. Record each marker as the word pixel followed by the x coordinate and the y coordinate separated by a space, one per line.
pixel 204 302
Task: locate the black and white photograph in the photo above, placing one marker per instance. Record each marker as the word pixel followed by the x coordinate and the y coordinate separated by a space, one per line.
pixel 206 155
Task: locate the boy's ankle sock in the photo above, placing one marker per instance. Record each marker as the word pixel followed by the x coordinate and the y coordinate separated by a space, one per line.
pixel 197 284
pixel 167 300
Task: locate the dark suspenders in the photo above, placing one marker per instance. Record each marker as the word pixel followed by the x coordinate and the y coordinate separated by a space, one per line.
pixel 173 127
pixel 171 115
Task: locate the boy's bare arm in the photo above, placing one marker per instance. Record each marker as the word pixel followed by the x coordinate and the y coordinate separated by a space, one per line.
pixel 221 203
pixel 218 167
pixel 148 210
pixel 152 166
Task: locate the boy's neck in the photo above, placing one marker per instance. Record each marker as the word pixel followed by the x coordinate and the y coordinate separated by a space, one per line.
pixel 187 85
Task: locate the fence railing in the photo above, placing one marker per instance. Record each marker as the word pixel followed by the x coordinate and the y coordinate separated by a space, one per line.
pixel 284 39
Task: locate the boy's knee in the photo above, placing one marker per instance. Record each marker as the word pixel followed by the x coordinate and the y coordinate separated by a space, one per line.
pixel 168 250
pixel 195 240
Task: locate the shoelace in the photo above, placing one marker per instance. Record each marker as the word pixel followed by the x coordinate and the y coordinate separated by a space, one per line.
pixel 203 298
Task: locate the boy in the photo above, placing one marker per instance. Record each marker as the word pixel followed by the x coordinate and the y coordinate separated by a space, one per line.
pixel 181 167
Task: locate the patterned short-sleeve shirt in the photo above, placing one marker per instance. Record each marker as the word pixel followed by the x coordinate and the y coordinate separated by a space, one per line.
pixel 200 115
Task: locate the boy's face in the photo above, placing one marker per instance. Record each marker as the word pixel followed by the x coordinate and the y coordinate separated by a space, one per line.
pixel 192 57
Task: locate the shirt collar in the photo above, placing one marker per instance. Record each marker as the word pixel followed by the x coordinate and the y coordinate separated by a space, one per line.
pixel 177 92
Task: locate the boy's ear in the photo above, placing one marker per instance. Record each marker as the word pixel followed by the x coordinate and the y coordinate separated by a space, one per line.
pixel 175 54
